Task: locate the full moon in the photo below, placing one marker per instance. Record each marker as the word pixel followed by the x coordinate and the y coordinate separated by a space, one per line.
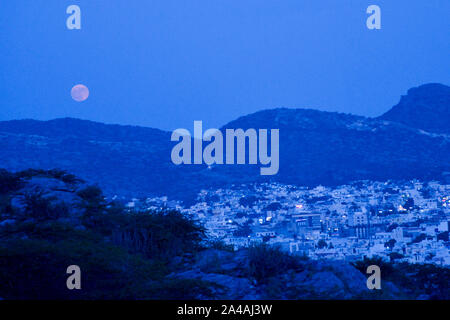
pixel 79 92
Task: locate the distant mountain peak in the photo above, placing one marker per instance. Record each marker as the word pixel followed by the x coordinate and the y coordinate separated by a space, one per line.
pixel 429 89
pixel 426 107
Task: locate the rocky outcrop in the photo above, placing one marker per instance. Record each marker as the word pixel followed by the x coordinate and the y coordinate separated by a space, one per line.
pixel 318 280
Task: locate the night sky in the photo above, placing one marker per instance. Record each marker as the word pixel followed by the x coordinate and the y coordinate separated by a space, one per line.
pixel 166 63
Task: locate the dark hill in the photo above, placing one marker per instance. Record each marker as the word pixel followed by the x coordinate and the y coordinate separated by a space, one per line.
pixel 426 107
pixel 332 148
pixel 124 160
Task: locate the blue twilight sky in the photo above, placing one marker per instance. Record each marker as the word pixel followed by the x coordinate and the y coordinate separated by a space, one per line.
pixel 165 63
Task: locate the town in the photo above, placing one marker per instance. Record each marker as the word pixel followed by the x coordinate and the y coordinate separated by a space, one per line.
pixel 402 221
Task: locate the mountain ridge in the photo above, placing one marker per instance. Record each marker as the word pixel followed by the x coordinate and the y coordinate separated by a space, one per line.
pixel 316 147
pixel 426 107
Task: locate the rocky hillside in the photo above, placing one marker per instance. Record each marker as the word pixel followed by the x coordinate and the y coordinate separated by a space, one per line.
pixel 332 148
pixel 125 160
pixel 234 274
pixel 426 107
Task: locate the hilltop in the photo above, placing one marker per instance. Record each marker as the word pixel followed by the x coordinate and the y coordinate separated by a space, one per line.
pixel 425 107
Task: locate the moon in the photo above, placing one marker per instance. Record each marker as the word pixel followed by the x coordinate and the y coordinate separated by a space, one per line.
pixel 79 92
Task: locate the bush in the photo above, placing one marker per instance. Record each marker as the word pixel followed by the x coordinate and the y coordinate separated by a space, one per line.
pixel 40 207
pixel 266 262
pixel 94 205
pixel 53 173
pixel 91 194
pixel 415 279
pixel 5 205
pixel 159 235
pixel 52 231
pixel 9 182
pixel 322 244
pixel 220 245
pixel 395 256
pixel 64 176
pixel 36 269
pixel 35 256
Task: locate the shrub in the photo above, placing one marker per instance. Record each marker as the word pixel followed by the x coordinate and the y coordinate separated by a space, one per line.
pixel 266 261
pixel 322 244
pixel 395 256
pixel 94 205
pixel 9 182
pixel 40 207
pixel 53 173
pixel 220 245
pixel 36 269
pixel 91 194
pixel 159 234
pixel 5 205
pixel 53 231
pixel 64 176
pixel 415 279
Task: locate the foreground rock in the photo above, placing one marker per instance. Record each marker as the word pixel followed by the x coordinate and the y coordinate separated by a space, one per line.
pixel 318 280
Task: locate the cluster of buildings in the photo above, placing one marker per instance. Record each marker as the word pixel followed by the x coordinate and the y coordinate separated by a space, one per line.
pixel 401 221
